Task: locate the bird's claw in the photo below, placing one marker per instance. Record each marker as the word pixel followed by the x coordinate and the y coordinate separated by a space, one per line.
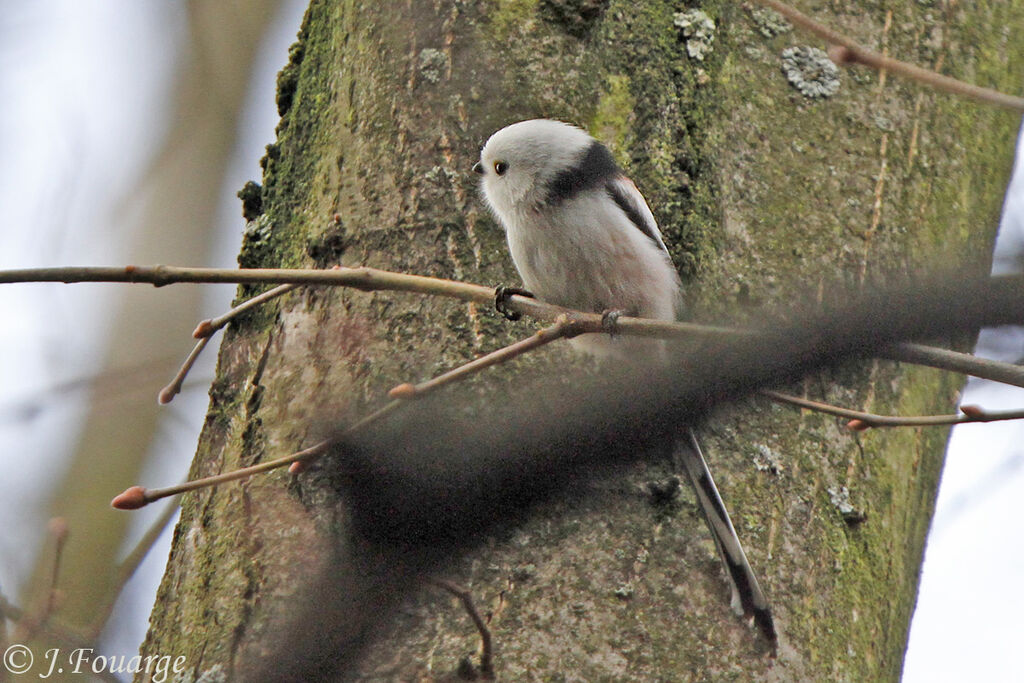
pixel 501 295
pixel 610 321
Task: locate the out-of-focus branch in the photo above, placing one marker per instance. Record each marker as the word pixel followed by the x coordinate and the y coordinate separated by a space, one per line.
pixel 126 569
pixel 442 474
pixel 37 618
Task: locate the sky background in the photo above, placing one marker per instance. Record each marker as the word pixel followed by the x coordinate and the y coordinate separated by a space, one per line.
pixel 87 89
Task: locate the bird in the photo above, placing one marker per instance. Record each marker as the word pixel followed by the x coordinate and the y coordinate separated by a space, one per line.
pixel 582 236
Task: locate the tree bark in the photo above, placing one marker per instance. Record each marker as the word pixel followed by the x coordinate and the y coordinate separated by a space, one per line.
pixel 764 196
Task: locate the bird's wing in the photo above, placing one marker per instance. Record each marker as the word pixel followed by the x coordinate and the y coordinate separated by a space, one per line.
pixel 624 193
pixel 747 597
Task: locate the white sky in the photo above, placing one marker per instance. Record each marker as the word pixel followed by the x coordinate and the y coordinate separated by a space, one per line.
pixel 84 86
pixel 967 625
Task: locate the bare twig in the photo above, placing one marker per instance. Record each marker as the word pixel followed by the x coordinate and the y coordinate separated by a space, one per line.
pixel 563 327
pixel 850 51
pixel 126 569
pixel 206 329
pixel 955 361
pixel 362 278
pixel 368 279
pixel 860 420
pixel 466 598
pixel 168 393
pixel 33 620
pixel 137 496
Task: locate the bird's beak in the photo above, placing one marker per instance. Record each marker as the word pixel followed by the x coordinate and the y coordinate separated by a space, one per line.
pixel 478 168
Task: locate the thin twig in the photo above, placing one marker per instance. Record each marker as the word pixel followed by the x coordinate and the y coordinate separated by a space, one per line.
pixel 368 279
pixel 32 621
pixel 486 646
pixel 168 393
pixel 563 327
pixel 126 569
pixel 362 278
pixel 860 420
pixel 853 52
pixel 964 363
pixel 137 496
pixel 206 329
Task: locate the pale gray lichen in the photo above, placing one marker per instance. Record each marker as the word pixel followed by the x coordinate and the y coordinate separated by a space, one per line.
pixel 769 22
pixel 440 175
pixel 258 230
pixel 840 498
pixel 215 674
pixel 810 71
pixel 767 460
pixel 432 64
pixel 699 31
pixel 625 591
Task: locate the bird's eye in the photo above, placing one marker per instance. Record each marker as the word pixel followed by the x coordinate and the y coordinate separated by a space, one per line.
pixel 500 167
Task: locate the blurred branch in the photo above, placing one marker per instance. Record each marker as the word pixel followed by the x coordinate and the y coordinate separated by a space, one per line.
pixel 440 476
pixel 849 51
pixel 126 569
pixel 35 619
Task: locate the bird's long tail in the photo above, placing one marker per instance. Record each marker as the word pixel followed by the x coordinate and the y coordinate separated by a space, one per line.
pixel 748 599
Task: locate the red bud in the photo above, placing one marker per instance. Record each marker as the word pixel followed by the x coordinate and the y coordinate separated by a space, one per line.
pixel 403 391
pixel 133 498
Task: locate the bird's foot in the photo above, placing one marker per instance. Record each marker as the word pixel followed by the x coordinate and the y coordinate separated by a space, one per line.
pixel 501 295
pixel 610 321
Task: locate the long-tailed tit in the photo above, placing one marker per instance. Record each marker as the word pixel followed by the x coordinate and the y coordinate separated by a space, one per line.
pixel 580 233
pixel 582 236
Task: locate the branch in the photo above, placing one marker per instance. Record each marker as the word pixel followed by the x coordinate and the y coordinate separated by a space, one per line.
pixel 859 421
pixel 33 620
pixel 206 329
pixel 486 647
pixel 372 279
pixel 126 569
pixel 168 393
pixel 137 496
pixel 964 363
pixel 851 52
pixel 362 278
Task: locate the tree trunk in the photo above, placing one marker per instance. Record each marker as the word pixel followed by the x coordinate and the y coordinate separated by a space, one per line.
pixel 764 196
